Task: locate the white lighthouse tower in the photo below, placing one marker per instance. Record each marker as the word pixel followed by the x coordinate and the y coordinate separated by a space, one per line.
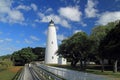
pixel 51 46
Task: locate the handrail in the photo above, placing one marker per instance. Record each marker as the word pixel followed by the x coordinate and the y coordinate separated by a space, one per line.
pixel 71 74
pixel 21 76
pixel 46 74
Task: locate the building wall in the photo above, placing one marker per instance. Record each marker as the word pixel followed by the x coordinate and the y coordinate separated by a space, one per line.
pixel 51 47
pixel 62 61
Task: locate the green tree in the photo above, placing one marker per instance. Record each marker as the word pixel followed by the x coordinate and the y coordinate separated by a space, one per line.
pixel 40 52
pixel 23 56
pixel 110 46
pixel 77 48
pixel 98 33
pixel 65 49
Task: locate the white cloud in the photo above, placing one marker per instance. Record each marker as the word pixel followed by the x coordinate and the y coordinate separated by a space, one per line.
pixel 57 19
pixel 8 39
pixel 27 8
pixel 49 10
pixel 71 13
pixel 90 10
pixel 5 40
pixel 33 25
pixel 1 40
pixel 76 31
pixel 34 7
pixel 60 37
pixel 9 14
pixel 17 41
pixel 45 32
pixel 28 41
pixel 53 17
pixel 83 24
pixel 15 16
pixel 108 17
pixel 34 38
pixel 8 49
pixel 41 15
pixel 64 17
pixel 1 32
pixel 57 28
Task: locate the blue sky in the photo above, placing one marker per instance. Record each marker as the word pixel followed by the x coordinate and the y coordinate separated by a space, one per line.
pixel 24 23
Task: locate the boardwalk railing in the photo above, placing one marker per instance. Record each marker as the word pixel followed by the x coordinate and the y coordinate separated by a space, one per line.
pixel 71 74
pixel 46 75
pixel 21 76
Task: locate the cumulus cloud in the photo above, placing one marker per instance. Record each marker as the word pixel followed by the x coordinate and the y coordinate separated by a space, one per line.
pixel 64 17
pixel 49 10
pixel 1 40
pixel 76 31
pixel 15 16
pixel 45 32
pixel 23 7
pixel 8 49
pixel 83 24
pixel 57 19
pixel 107 17
pixel 28 41
pixel 5 40
pixel 8 39
pixel 90 10
pixel 17 41
pixel 34 7
pixel 71 13
pixel 9 14
pixel 1 32
pixel 60 37
pixel 27 8
pixel 34 38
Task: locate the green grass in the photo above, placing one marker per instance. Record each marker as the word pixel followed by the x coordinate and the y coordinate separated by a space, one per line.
pixel 9 73
pixel 6 75
pixel 106 73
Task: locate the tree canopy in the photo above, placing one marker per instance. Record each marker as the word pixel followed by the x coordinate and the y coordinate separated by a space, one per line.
pixel 75 48
pixel 81 47
pixel 27 55
pixel 110 46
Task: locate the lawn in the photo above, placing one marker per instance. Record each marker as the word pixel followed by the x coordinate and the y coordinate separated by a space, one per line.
pixel 9 73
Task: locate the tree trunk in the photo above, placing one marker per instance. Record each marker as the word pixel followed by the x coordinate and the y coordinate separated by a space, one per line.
pixel 115 66
pixel 102 65
pixel 81 65
pixel 74 62
pixel 85 65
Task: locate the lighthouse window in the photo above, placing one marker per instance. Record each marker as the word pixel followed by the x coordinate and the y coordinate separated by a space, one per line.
pixel 52 57
pixel 52 42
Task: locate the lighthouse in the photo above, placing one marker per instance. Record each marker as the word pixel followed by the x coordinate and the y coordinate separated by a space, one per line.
pixel 51 45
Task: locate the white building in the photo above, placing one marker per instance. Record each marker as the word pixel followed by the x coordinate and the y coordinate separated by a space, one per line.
pixel 61 60
pixel 52 47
